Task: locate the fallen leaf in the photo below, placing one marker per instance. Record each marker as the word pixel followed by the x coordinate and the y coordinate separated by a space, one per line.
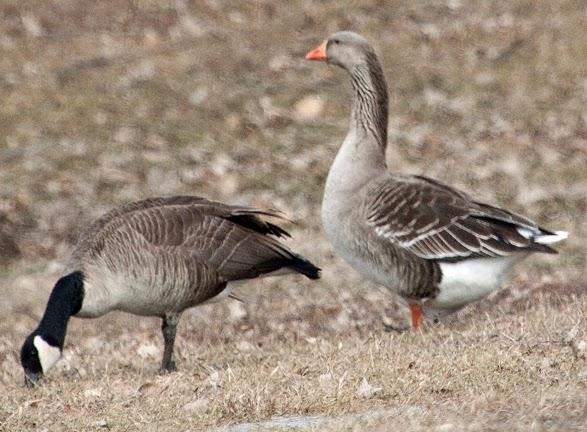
pixel 309 107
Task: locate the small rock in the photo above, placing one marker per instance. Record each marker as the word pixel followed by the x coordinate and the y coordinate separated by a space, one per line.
pixel 124 135
pixel 101 423
pixel 237 311
pixel 579 349
pixel 244 346
pixel 214 379
pixel 151 38
pixel 233 121
pixel 366 390
pixel 309 107
pixel 94 344
pixel 571 335
pixel 434 97
pixel 191 25
pixel 279 62
pixel 149 389
pixel 221 164
pixel 545 364
pixel 32 25
pixel 198 96
pixel 325 381
pixel 197 406
pixel 142 71
pixel 228 184
pixel 147 350
pixel 92 393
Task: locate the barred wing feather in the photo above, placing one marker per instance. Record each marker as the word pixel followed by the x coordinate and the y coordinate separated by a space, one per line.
pixel 436 222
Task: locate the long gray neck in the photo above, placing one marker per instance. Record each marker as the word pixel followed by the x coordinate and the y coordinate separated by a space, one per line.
pixel 361 157
pixel 370 103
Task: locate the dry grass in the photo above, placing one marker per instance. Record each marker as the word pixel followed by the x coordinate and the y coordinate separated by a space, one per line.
pixel 493 370
pixel 102 104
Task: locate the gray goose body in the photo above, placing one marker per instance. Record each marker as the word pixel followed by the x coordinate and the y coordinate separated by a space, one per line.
pixel 435 246
pixel 158 257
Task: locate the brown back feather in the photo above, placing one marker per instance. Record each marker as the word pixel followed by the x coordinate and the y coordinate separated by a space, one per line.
pixel 435 221
pixel 232 240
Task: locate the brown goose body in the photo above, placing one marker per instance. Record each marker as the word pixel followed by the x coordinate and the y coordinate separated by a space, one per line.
pixel 174 253
pixel 435 246
pixel 158 257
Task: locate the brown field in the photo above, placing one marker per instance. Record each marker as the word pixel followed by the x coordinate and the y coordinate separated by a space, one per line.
pixel 107 102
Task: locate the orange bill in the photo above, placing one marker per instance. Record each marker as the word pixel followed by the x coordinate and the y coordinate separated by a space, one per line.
pixel 317 53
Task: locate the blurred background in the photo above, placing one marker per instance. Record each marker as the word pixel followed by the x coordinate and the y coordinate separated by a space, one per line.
pixel 108 102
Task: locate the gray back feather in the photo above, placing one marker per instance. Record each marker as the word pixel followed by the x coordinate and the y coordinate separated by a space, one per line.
pixel 435 221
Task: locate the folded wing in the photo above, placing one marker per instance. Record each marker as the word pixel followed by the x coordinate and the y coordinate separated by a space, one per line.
pixel 436 222
pixel 234 241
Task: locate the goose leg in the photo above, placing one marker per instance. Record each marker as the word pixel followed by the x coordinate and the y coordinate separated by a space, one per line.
pixel 168 328
pixel 416 311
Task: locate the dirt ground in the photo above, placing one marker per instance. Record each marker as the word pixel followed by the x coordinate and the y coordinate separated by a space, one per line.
pixel 109 102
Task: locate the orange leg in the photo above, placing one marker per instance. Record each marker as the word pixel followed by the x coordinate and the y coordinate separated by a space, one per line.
pixel 416 311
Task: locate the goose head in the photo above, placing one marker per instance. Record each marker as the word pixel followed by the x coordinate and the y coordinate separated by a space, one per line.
pixel 37 356
pixel 344 49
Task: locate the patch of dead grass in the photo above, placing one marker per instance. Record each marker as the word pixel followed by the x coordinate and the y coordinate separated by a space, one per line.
pixel 500 364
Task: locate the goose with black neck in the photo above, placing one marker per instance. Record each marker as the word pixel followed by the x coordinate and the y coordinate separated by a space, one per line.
pixel 159 257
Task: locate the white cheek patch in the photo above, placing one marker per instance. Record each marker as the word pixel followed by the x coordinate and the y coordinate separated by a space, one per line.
pixel 48 354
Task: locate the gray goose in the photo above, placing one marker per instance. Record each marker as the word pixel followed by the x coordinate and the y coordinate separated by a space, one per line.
pixel 158 257
pixel 435 246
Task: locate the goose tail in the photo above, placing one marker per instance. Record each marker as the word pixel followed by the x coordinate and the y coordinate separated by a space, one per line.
pixel 551 238
pixel 305 267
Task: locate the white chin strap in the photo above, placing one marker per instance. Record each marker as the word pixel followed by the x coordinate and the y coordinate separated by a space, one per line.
pixel 48 354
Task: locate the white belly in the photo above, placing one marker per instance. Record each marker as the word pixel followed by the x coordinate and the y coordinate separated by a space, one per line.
pixel 467 281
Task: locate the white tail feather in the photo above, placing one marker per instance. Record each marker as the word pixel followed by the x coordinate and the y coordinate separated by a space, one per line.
pixel 551 238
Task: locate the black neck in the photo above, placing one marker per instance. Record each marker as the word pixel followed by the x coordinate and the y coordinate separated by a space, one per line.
pixel 65 300
pixel 370 105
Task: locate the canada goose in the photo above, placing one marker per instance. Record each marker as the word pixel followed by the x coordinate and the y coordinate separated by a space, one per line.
pixel 435 246
pixel 158 257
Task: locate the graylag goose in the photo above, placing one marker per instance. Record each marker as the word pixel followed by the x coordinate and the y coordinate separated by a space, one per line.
pixel 435 246
pixel 158 257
